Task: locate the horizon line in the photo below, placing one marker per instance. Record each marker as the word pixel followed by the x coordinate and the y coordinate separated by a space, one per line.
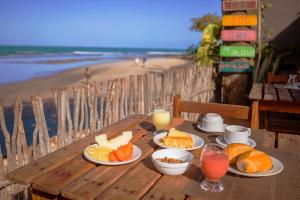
pixel 30 45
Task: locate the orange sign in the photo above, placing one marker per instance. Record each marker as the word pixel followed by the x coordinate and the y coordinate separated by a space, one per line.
pixel 239 20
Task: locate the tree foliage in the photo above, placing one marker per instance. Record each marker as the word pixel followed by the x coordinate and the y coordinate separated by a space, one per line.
pixel 210 26
pixel 200 23
pixel 208 50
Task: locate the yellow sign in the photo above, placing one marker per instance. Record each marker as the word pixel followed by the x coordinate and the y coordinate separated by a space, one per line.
pixel 239 20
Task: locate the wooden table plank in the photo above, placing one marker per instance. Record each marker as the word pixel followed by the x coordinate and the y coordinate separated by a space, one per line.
pixel 280 186
pixel 284 94
pixel 256 91
pixel 270 93
pixel 134 184
pixel 55 180
pixel 25 174
pixel 289 142
pixel 98 180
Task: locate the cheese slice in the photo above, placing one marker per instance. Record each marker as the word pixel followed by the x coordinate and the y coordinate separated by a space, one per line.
pixel 115 142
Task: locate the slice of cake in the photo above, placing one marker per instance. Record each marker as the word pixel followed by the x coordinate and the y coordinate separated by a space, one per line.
pixel 179 139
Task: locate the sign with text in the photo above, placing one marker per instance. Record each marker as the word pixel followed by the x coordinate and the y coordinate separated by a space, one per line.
pixel 238 35
pixel 239 20
pixel 234 66
pixel 237 51
pixel 239 5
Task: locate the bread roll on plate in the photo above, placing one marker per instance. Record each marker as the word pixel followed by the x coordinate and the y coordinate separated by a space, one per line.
pixel 235 149
pixel 254 161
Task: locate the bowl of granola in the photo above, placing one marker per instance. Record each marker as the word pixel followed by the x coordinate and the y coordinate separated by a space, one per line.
pixel 172 161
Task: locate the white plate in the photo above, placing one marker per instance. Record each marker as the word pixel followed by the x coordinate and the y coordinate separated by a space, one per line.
pixel 277 168
pixel 136 155
pixel 197 142
pixel 220 140
pixel 210 131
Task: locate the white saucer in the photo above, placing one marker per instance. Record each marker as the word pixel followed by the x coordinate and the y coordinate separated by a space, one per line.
pixel 220 140
pixel 210 131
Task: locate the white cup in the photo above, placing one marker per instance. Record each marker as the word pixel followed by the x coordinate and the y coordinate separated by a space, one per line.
pixel 236 134
pixel 212 122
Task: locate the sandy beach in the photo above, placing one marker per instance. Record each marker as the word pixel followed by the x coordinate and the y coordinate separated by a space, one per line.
pixel 72 77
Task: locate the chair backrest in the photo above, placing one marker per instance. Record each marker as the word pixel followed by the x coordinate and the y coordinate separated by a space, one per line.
pixel 272 78
pixel 225 110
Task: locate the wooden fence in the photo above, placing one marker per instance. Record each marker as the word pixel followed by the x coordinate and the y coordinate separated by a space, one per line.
pixel 90 107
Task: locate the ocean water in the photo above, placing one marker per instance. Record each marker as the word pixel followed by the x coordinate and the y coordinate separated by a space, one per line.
pixel 19 63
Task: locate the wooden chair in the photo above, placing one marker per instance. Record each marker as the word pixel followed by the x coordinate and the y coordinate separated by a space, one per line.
pixel 225 110
pixel 280 122
pixel 272 78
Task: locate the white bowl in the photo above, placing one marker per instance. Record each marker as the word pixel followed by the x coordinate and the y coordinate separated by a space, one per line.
pixel 172 168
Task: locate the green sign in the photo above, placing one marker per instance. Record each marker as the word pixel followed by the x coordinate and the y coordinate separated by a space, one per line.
pixel 234 66
pixel 237 51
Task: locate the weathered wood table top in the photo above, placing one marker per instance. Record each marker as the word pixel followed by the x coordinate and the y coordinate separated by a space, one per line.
pixel 276 97
pixel 65 174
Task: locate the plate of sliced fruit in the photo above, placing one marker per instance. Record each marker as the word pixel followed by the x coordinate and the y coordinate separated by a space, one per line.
pixel 116 151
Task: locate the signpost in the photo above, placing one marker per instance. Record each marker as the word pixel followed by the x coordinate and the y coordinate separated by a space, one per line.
pixel 238 35
pixel 239 5
pixel 234 66
pixel 239 32
pixel 237 51
pixel 239 20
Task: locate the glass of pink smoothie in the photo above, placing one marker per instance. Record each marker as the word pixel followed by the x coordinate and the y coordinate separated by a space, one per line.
pixel 214 163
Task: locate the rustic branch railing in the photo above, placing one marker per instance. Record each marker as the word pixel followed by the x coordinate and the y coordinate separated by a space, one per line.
pixel 90 107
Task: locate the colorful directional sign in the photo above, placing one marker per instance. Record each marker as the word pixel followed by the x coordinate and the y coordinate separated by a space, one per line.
pixel 239 20
pixel 237 51
pixel 239 5
pixel 234 66
pixel 238 35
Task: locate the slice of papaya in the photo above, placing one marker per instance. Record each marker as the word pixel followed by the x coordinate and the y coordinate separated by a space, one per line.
pixel 112 156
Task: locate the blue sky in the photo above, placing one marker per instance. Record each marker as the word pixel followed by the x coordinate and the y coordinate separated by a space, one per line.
pixel 102 23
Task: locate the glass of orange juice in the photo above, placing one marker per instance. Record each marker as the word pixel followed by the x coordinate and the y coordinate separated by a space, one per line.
pixel 160 119
pixel 214 163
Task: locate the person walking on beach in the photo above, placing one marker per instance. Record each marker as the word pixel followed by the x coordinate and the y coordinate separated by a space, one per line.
pixel 87 75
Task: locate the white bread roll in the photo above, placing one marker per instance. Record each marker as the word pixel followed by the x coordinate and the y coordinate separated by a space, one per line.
pixel 235 149
pixel 254 161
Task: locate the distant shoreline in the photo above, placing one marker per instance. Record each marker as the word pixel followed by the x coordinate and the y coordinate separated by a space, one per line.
pixel 64 61
pixel 7 50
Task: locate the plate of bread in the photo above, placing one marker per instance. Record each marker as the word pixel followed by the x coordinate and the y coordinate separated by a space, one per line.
pixel 247 161
pixel 114 151
pixel 175 139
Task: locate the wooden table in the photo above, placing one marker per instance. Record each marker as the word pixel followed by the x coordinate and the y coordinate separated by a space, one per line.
pixel 65 174
pixel 276 99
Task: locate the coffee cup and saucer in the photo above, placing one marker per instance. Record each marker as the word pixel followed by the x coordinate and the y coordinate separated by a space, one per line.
pixel 212 123
pixel 236 134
